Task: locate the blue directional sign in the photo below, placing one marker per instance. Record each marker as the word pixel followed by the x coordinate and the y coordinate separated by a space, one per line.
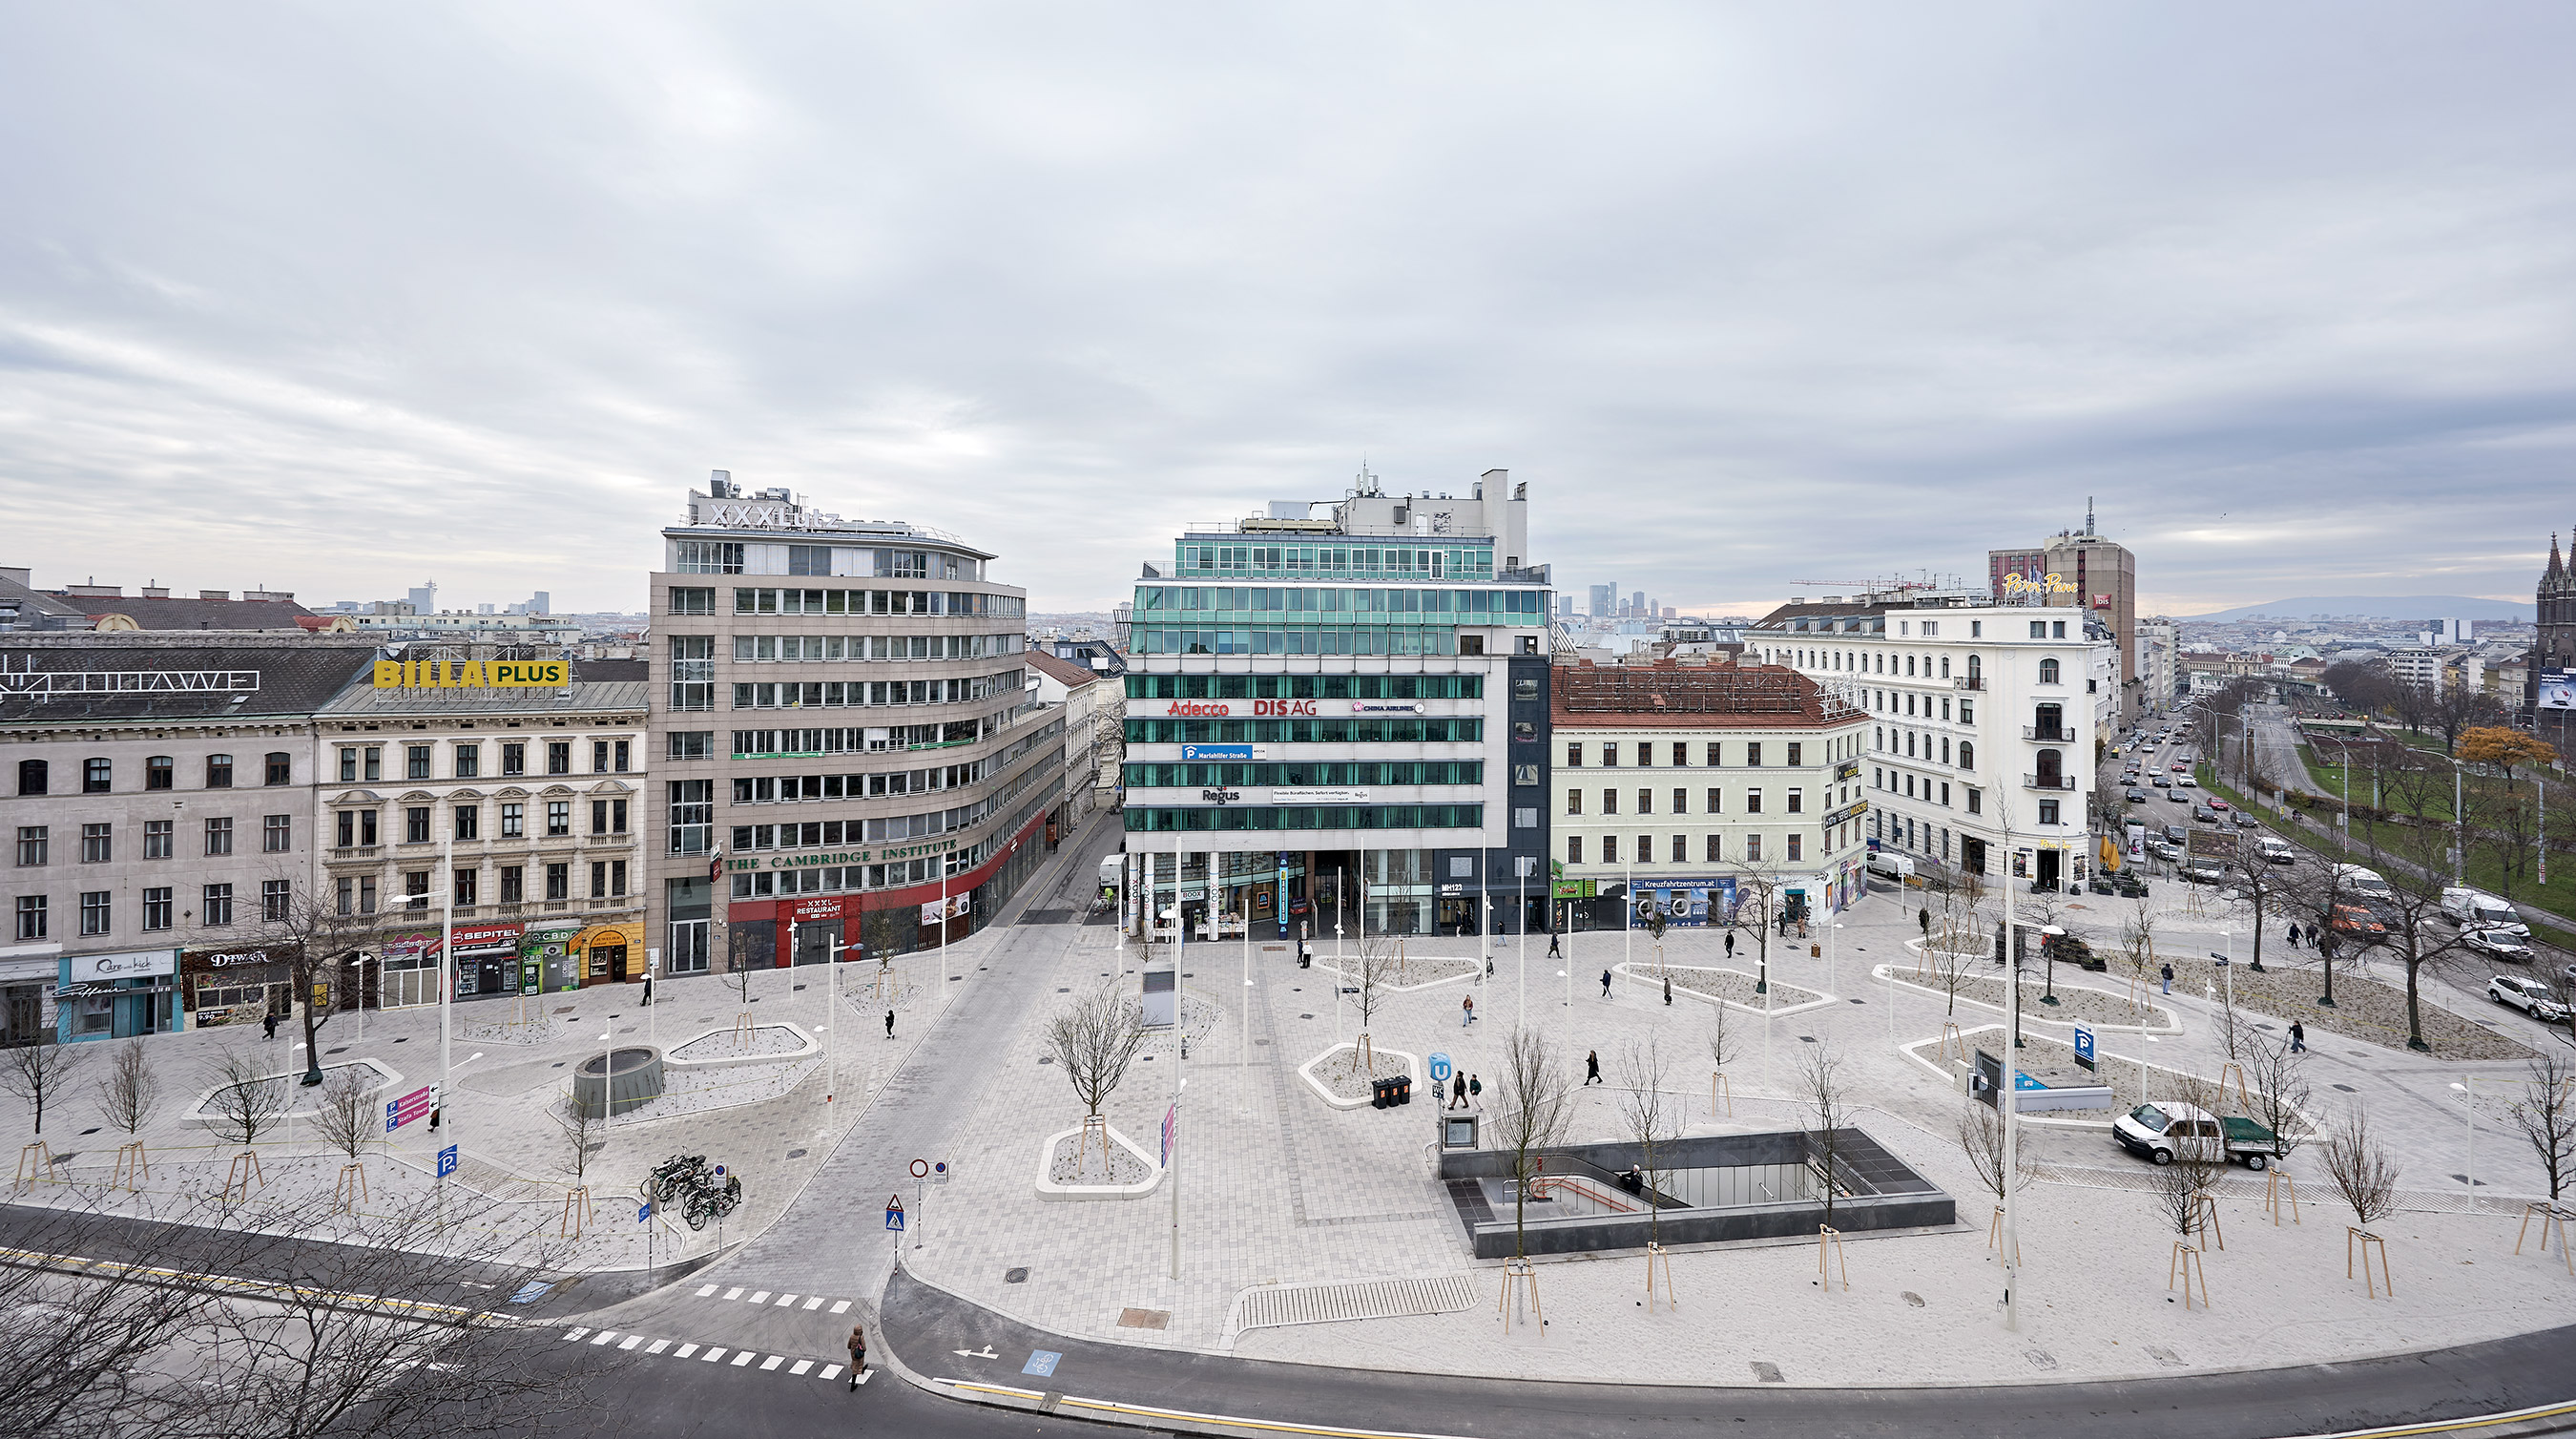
pixel 447 1161
pixel 2084 1046
pixel 644 1211
pixel 1041 1362
pixel 1216 751
pixel 531 1292
pixel 1440 1069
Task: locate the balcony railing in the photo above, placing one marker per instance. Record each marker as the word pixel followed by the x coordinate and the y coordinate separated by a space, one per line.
pixel 1970 682
pixel 2048 781
pixel 2058 735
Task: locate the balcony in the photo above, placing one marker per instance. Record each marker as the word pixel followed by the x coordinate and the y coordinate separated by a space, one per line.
pixel 357 854
pixel 2043 734
pixel 1970 682
pixel 2048 781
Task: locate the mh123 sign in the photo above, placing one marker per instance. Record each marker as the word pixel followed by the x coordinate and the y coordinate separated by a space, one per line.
pixel 472 674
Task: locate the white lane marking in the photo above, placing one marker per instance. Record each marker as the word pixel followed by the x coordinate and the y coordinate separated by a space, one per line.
pixel 631 1341
pixel 761 1298
pixel 786 1299
pixel 801 1366
pixel 716 1353
pixel 604 1336
pixel 866 1374
pixel 743 1356
pixel 684 1351
pixel 772 1362
pixel 734 1293
pixel 576 1334
pixel 706 1290
pixel 828 1371
pixel 814 1303
pixel 658 1346
pixel 841 1308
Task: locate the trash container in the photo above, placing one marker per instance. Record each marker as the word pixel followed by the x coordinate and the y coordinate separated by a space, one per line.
pixel 1403 1088
pixel 1381 1093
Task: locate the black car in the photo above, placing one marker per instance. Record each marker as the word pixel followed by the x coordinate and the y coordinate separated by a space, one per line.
pixel 2137 796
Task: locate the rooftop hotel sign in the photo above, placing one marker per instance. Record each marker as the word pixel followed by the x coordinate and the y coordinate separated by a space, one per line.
pixel 472 674
pixel 2054 584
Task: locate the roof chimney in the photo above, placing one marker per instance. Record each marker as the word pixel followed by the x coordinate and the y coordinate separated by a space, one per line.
pixel 155 592
pixel 214 594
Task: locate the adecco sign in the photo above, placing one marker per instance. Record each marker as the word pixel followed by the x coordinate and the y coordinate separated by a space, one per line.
pixel 1219 709
pixel 136 964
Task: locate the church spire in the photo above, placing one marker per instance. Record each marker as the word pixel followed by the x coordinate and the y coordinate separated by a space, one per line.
pixel 2556 570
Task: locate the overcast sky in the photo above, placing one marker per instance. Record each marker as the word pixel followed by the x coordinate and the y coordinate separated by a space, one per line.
pixel 339 298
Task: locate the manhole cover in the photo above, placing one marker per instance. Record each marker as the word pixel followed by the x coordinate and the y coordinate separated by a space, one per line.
pixel 1064 989
pixel 796 1154
pixel 2041 1358
pixel 1305 1016
pixel 1046 1059
pixel 1806 1039
pixel 1767 1372
pixel 1016 1276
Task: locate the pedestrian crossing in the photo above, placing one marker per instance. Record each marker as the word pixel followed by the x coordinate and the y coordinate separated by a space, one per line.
pixel 804 1303
pixel 713 1354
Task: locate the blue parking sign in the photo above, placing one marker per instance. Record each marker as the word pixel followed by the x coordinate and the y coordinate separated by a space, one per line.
pixel 447 1161
pixel 2084 1046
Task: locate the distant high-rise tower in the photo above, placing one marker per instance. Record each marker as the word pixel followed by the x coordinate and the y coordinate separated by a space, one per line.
pixel 2080 570
pixel 1605 601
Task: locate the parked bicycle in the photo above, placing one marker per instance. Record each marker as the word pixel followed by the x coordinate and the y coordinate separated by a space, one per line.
pixel 707 1201
pixel 676 1176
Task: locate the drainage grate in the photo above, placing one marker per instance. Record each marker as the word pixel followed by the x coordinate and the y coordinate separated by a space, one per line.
pixel 1275 1305
pixel 1018 1275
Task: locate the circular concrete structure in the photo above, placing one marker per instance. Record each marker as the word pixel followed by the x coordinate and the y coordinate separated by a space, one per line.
pixel 633 1077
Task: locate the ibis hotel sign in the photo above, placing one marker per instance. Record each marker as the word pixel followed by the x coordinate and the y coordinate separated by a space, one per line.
pixel 472 674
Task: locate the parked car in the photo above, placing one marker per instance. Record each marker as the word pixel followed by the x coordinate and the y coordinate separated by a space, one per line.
pixel 2476 909
pixel 2137 796
pixel 2277 849
pixel 2205 871
pixel 2242 820
pixel 2160 1133
pixel 2528 995
pixel 2356 922
pixel 2495 944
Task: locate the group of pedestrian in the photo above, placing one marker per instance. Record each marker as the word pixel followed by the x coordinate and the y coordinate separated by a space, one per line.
pixel 1463 1088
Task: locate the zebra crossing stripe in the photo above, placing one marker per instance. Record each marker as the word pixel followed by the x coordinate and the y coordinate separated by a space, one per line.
pixel 772 1362
pixel 631 1341
pixel 814 1303
pixel 705 1290
pixel 734 1293
pixel 576 1334
pixel 742 1357
pixel 713 1354
pixel 684 1351
pixel 604 1336
pixel 658 1346
pixel 760 1298
pixel 801 1366
pixel 842 1307
pixel 828 1371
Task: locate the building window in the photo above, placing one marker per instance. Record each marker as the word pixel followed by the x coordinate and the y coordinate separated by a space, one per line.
pixel 1794 751
pixel 160 838
pixel 416 889
pixel 1609 801
pixel 277 768
pixel 466 882
pixel 276 833
pixel 357 827
pixel 1967 755
pixel 31 916
pixel 1573 801
pixel 558 818
pixel 416 825
pixel 275 897
pixel 1526 818
pixel 160 772
pixel 1976 800
pixel 1716 848
pixel 1609 756
pixel 559 881
pixel 1645 801
pixel 348 764
pixel 1573 760
pixel 1573 855
pixel 217 904
pixel 514 821
pixel 1645 849
pixel 156 908
pixel 559 756
pixel 469 761
pixel 1645 754
pixel 692 815
pixel 608 816
pixel 1609 849
pixel 1753 849
pixel 2048 811
pixel 94 910
pixel 416 761
pixel 514 883
pixel 514 757
pixel 1797 802
pixel 32 846
pixel 2039 629
pixel 2048 672
pixel 96 776
pixel 469 821
pixel 693 672
pixel 219 771
pixel 219 836
pixel 1681 800
pixel 709 557
pixel 692 600
pixel 693 744
pixel 1712 806
pixel 98 843
pixel 1753 754
pixel 1797 846
pixel 1524 774
pixel 1714 750
pixel 32 776
pixel 1753 801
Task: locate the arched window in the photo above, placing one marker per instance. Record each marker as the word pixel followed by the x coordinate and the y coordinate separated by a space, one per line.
pixel 1976 672
pixel 219 771
pixel 2052 768
pixel 1945 749
pixel 1909 664
pixel 1945 667
pixel 1967 755
pixel 160 772
pixel 2048 672
pixel 281 767
pixel 32 774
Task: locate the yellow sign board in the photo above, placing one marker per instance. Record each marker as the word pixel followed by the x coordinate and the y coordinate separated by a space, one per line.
pixel 472 674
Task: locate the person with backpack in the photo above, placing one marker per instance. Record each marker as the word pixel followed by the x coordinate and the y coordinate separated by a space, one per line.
pixel 858 1355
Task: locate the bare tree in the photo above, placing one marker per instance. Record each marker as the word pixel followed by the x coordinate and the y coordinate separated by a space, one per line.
pixel 1653 1119
pixel 1721 1041
pixel 1981 1138
pixel 131 1091
pixel 1533 1103
pixel 2411 863
pixel 2278 1075
pixel 1093 1040
pixel 78 1346
pixel 318 944
pixel 247 1101
pixel 1820 1078
pixel 38 1074
pixel 2360 1167
pixel 2182 1178
pixel 2547 1117
pixel 581 1134
pixel 1380 955
pixel 347 1117
pixel 2138 940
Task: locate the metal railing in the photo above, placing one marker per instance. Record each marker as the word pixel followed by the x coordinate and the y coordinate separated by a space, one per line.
pixel 2048 781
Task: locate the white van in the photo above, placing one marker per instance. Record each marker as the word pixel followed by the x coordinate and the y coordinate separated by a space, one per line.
pixel 1887 864
pixel 2476 909
pixel 1113 869
pixel 2355 879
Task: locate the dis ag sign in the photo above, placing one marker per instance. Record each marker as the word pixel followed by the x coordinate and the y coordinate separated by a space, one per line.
pixel 1283 707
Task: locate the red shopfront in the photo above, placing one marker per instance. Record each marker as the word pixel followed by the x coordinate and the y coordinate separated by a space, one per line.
pixel 788 932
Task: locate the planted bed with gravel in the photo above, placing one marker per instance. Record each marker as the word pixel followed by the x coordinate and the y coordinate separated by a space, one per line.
pixel 766 1039
pixel 1120 1167
pixel 1732 986
pixel 2364 1009
pixel 2075 1003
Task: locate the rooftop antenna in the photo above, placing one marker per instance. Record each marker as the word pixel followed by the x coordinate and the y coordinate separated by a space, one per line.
pixel 2088 514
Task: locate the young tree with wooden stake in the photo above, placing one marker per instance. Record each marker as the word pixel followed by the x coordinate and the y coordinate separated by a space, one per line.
pixel 38 1074
pixel 1981 1139
pixel 1533 1103
pixel 582 1131
pixel 348 1119
pixel 1653 1123
pixel 1093 1040
pixel 1379 957
pixel 1721 1047
pixel 2182 1184
pixel 2546 1117
pixel 247 1102
pixel 127 1098
pixel 1820 1081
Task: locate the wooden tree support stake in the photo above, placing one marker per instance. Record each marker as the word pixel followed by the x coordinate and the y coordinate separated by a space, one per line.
pixel 1718 1084
pixel 1520 1286
pixel 2550 1217
pixel 1092 1124
pixel 35 1166
pixel 2367 1241
pixel 576 1210
pixel 1950 1036
pixel 132 1166
pixel 1995 1235
pixel 243 1174
pixel 1829 1247
pixel 1656 1255
pixel 742 1029
pixel 2186 1265
pixel 351 1189
pixel 2232 1067
pixel 2204 1220
pixel 2277 1189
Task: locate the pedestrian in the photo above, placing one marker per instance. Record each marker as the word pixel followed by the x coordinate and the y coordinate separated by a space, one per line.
pixel 1552 951
pixel 2294 935
pixel 1475 1087
pixel 1592 1067
pixel 1668 991
pixel 889 1024
pixel 1730 942
pixel 648 989
pixel 1605 984
pixel 1458 1091
pixel 1467 1011
pixel 268 1025
pixel 858 1355
pixel 2298 1037
pixel 2168 979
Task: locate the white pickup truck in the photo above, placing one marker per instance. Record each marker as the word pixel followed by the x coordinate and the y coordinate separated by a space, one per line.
pixel 2163 1132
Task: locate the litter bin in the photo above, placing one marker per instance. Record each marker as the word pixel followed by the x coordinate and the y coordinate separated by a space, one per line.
pixel 1381 1093
pixel 1403 1088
